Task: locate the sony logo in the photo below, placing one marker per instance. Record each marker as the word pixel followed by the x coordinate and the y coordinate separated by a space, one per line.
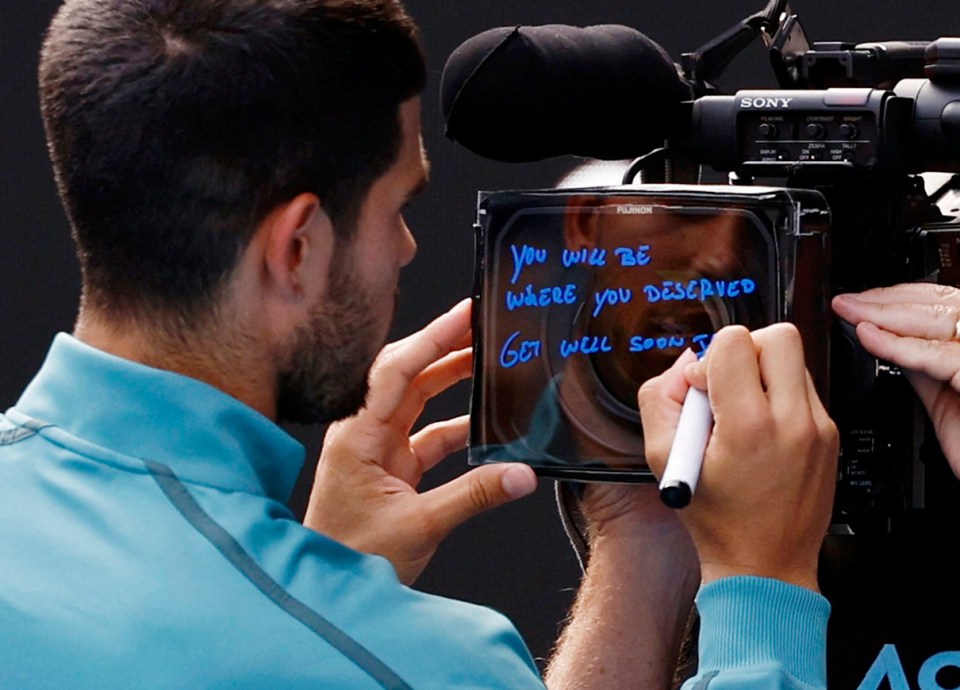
pixel 769 102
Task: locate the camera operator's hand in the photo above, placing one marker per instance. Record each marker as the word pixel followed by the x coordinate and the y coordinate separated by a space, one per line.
pixel 916 326
pixel 364 494
pixel 765 493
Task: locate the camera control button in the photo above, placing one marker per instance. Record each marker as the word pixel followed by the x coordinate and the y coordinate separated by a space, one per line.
pixel 815 130
pixel 848 131
pixel 950 119
pixel 768 131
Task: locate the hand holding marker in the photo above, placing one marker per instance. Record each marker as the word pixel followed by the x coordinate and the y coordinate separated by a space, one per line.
pixel 682 470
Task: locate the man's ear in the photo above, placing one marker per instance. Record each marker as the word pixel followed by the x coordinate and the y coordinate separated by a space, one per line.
pixel 297 243
pixel 581 226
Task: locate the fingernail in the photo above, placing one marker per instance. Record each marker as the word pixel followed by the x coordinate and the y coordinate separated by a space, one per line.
pixel 518 481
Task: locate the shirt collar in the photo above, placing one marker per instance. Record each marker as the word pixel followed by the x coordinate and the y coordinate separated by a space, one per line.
pixel 204 435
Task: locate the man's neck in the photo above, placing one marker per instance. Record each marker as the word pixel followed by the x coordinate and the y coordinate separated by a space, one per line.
pixel 212 356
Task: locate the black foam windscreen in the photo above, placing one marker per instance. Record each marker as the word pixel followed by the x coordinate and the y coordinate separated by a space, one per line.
pixel 532 92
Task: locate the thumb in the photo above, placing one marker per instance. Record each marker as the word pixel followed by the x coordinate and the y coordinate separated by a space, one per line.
pixel 477 491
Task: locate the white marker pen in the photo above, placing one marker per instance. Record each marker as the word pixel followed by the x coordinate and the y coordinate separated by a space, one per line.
pixel 682 471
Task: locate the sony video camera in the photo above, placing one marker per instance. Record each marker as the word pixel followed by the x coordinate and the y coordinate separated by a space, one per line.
pixel 841 180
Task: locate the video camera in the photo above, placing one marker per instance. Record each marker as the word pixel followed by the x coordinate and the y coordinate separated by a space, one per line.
pixel 839 181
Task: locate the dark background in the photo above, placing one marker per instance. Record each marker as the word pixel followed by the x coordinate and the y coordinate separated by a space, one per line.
pixel 516 560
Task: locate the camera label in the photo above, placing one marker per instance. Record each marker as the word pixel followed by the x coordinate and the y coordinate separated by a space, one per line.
pixel 766 102
pixel 634 210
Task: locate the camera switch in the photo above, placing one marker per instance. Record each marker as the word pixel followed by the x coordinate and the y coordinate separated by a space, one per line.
pixel 768 131
pixel 848 131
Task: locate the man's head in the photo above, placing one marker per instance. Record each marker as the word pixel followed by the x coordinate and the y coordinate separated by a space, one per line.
pixel 323 365
pixel 179 130
pixel 175 127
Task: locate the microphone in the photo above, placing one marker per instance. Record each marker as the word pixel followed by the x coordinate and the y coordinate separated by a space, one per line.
pixel 526 93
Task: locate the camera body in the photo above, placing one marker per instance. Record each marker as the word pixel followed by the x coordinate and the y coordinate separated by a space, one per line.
pixel 864 150
pixel 831 191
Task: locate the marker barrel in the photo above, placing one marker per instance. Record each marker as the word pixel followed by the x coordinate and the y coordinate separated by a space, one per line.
pixel 682 471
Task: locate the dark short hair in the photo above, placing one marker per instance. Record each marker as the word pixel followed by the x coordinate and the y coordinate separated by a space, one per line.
pixel 174 126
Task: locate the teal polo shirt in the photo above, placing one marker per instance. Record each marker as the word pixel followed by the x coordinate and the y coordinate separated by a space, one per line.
pixel 145 543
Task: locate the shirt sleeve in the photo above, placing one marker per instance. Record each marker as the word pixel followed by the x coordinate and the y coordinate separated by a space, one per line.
pixel 760 634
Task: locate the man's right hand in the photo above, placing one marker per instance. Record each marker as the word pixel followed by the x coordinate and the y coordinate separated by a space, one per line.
pixel 764 498
pixel 365 492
